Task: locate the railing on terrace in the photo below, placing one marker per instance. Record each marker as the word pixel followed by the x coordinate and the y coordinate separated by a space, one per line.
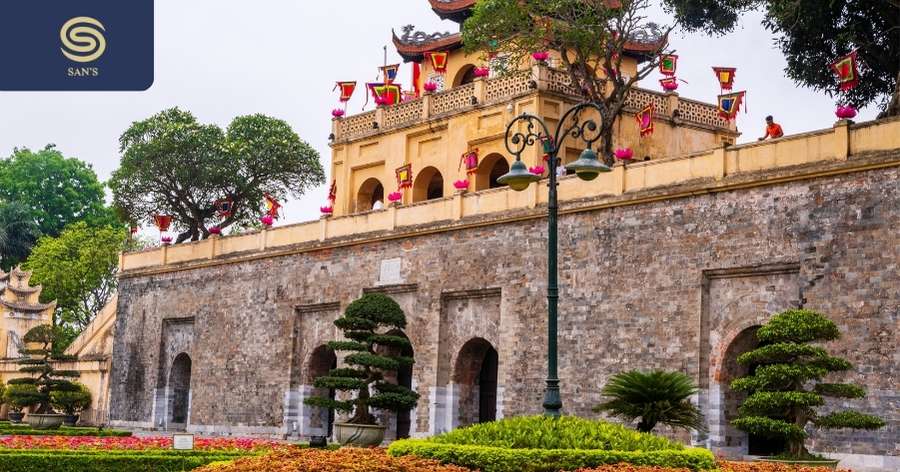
pixel 503 89
pixel 716 165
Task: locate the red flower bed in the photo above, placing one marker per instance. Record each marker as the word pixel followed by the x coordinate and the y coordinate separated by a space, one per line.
pixel 348 459
pixel 131 443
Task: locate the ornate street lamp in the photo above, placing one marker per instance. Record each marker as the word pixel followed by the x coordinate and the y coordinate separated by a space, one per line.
pixel 587 167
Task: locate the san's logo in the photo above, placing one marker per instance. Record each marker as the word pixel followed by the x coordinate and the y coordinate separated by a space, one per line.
pixel 82 39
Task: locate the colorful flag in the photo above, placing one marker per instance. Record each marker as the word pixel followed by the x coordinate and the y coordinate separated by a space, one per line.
pixel 645 120
pixel 224 207
pixel 347 89
pixel 404 176
pixel 725 76
pixel 438 60
pixel 847 71
pixel 389 73
pixel 668 63
pixel 730 104
pixel 272 206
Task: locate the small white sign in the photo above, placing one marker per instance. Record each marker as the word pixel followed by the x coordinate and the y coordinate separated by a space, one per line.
pixel 183 441
pixel 390 272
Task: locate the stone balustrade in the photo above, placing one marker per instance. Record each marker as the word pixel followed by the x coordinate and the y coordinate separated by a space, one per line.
pixel 505 88
pixel 625 185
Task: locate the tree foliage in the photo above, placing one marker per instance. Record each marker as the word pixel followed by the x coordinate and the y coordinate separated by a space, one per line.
pixel 590 36
pixel 71 402
pixel 172 164
pixel 78 270
pixel 56 190
pixel 372 356
pixel 43 379
pixel 653 397
pixel 812 33
pixel 18 233
pixel 786 387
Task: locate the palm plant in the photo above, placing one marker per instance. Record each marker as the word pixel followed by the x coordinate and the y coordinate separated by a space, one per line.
pixel 18 233
pixel 654 397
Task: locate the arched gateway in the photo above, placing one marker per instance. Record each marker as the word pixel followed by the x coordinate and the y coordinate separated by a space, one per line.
pixel 475 375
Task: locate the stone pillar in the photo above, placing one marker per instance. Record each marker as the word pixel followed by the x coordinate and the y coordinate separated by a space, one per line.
pixel 672 102
pixel 480 87
pixel 336 128
pixel 379 117
pixel 426 106
pixel 842 140
pixel 437 411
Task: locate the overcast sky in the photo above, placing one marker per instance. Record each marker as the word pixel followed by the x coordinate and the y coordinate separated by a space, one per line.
pixel 225 58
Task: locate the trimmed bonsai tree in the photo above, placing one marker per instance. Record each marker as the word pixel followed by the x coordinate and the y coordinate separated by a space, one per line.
pixel 366 324
pixel 43 378
pixel 71 402
pixel 787 385
pixel 652 397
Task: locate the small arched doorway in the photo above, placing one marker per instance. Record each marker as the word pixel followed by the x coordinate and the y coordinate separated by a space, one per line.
pixel 322 360
pixel 370 192
pixel 745 341
pixel 491 168
pixel 180 391
pixel 475 375
pixel 429 185
pixel 466 75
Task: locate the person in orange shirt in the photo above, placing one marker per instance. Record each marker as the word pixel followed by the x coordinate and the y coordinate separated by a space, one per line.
pixel 773 129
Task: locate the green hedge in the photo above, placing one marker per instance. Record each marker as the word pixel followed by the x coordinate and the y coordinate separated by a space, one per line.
pixel 499 459
pixel 107 461
pixel 26 430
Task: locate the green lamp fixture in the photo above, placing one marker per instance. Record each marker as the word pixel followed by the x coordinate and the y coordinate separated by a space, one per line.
pixel 518 178
pixel 587 167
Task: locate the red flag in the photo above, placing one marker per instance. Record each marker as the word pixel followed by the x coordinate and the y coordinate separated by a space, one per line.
pixel 847 71
pixel 347 89
pixel 416 75
pixel 645 120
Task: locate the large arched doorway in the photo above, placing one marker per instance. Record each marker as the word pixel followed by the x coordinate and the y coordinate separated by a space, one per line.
pixel 180 391
pixel 491 168
pixel 321 420
pixel 745 341
pixel 429 184
pixel 475 375
pixel 466 75
pixel 370 195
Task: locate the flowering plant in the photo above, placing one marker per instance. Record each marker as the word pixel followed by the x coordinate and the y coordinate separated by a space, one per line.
pixel 537 170
pixel 430 86
pixel 215 230
pixel 461 184
pixel 166 240
pixel 845 112
pixel 540 56
pixel 326 210
pixel 481 72
pixel 337 113
pixel 625 154
pixel 267 220
pixel 132 443
pixel 395 196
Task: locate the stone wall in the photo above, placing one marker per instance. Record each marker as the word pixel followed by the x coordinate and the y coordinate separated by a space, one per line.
pixel 669 283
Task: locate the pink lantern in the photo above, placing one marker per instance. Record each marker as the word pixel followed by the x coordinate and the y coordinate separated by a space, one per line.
pixel 461 184
pixel 481 72
pixel 215 230
pixel 337 113
pixel 267 220
pixel 845 112
pixel 166 240
pixel 536 170
pixel 625 154
pixel 540 56
pixel 326 210
pixel 430 86
pixel 395 196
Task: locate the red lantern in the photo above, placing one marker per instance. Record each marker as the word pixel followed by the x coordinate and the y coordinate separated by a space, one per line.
pixel 162 222
pixel 439 60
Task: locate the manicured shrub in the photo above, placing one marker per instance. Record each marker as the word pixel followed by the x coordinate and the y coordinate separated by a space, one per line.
pixel 42 377
pixel 724 466
pixel 539 444
pixel 347 459
pixel 787 385
pixel 652 398
pixel 71 402
pixel 25 430
pixel 106 461
pixel 133 443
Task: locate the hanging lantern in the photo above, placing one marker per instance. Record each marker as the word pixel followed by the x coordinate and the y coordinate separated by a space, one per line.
pixel 847 71
pixel 224 207
pixel 404 176
pixel 668 64
pixel 730 104
pixel 162 222
pixel 645 121
pixel 669 84
pixel 725 76
pixel 347 89
pixel 389 73
pixel 470 160
pixel 439 60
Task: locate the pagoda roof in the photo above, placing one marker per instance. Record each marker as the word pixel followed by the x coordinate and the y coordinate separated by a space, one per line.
pixel 24 290
pixel 29 307
pixel 454 10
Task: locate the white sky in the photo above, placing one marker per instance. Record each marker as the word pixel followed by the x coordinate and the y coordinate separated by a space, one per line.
pixel 224 58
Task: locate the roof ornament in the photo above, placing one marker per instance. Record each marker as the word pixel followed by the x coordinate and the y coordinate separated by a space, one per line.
pixel 410 36
pixel 649 34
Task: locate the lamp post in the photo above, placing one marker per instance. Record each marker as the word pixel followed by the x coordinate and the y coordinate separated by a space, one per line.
pixel 527 130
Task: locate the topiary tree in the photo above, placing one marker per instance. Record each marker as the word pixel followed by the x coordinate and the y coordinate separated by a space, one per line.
pixel 43 379
pixel 365 324
pixel 654 397
pixel 20 396
pixel 786 386
pixel 71 402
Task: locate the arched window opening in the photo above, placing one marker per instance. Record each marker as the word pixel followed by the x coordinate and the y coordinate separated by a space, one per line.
pixel 370 195
pixel 428 185
pixel 466 75
pixel 475 374
pixel 491 168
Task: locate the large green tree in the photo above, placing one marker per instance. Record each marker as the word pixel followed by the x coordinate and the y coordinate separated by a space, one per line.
pixel 812 33
pixel 78 270
pixel 589 35
pixel 172 164
pixel 18 233
pixel 56 190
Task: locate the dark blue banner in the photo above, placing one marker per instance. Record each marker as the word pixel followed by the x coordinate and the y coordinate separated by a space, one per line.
pixel 76 44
